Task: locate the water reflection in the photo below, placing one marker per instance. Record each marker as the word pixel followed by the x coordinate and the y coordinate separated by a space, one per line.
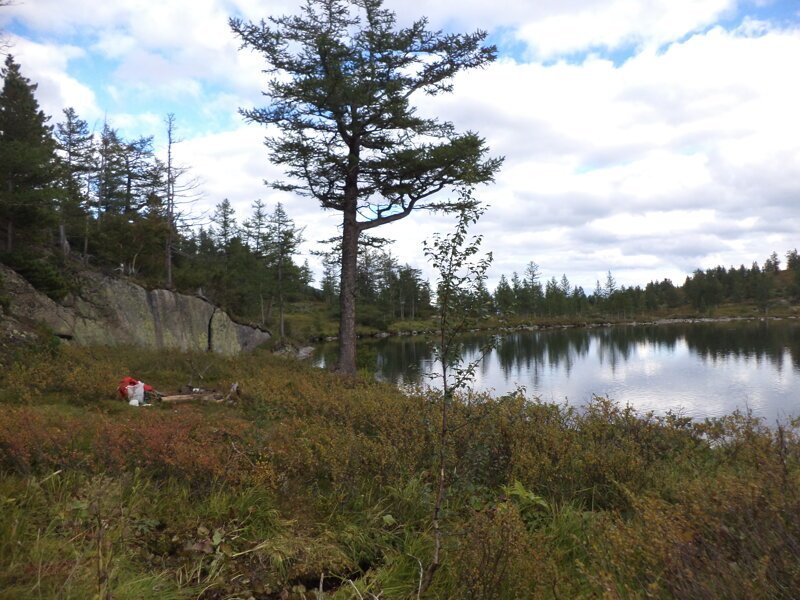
pixel 762 340
pixel 701 369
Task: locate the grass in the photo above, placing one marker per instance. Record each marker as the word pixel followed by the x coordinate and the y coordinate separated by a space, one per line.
pixel 314 482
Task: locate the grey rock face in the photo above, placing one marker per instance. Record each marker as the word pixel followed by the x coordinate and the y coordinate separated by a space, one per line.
pixel 112 312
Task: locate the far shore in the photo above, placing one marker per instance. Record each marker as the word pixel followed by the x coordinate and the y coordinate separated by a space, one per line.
pixel 557 324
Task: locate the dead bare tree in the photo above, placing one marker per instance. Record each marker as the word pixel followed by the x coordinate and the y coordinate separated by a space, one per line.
pixel 181 191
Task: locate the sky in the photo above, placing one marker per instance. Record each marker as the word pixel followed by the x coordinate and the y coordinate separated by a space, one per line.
pixel 648 138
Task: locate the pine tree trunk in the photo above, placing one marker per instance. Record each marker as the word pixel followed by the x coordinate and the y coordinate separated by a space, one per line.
pixel 10 224
pixel 280 318
pixel 170 202
pixel 269 309
pixel 280 300
pixel 168 260
pixel 347 295
pixel 63 243
pixel 85 257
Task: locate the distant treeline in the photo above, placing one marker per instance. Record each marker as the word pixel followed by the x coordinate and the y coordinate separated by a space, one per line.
pixel 702 290
pixel 72 196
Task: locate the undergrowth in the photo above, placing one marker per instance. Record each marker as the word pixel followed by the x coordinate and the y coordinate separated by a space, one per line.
pixel 316 486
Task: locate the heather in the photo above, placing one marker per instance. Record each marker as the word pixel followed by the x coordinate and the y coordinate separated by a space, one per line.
pixel 314 485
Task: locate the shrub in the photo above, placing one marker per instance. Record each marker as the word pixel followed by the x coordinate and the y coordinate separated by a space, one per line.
pixel 314 475
pixel 41 271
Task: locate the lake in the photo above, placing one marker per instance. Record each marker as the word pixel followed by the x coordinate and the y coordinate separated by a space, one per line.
pixel 700 369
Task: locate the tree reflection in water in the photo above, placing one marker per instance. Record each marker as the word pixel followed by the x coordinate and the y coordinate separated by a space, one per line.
pixel 620 354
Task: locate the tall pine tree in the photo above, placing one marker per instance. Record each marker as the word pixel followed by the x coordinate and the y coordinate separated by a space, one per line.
pixel 282 241
pixel 27 160
pixel 345 130
pixel 74 142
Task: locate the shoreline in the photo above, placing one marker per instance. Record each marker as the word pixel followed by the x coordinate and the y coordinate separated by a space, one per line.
pixel 549 326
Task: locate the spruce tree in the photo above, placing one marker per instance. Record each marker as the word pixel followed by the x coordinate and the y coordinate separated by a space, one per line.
pixel 504 297
pixel 110 169
pixel 282 239
pixel 254 231
pixel 27 160
pixel 74 142
pixel 224 218
pixel 254 228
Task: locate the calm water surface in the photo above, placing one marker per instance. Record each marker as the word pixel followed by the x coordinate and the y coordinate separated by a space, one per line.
pixel 697 369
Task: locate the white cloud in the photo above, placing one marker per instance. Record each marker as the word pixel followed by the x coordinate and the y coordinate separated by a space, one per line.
pixel 136 124
pixel 65 16
pixel 707 123
pixel 47 65
pixel 114 44
pixel 554 27
pixel 176 46
pixel 610 25
pixel 663 222
pixel 684 153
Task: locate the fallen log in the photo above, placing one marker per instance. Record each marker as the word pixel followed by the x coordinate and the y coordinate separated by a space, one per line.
pixel 200 395
pixel 178 398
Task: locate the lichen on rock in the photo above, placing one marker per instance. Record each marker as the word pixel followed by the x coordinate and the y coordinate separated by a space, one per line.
pixel 111 312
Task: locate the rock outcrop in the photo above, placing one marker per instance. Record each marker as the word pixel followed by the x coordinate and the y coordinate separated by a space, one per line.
pixel 109 312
